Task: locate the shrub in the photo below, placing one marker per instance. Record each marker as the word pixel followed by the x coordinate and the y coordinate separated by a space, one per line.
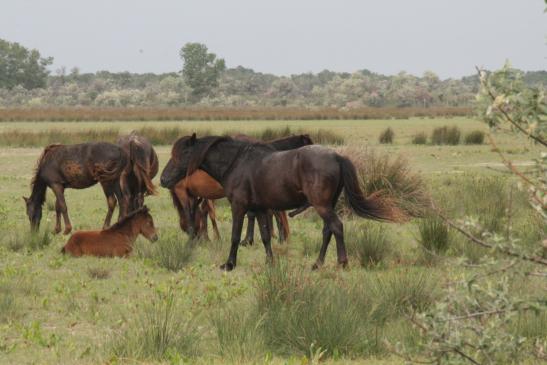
pixel 434 235
pixel 393 176
pixel 446 135
pixel 419 138
pixel 239 333
pixel 169 252
pixel 474 137
pixel 386 137
pixel 158 331
pixel 368 242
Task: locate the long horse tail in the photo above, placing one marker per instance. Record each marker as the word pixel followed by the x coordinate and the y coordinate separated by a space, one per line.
pixel 376 206
pixel 141 167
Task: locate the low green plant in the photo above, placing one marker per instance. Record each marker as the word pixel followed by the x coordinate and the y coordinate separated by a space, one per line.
pixel 386 137
pixel 159 331
pixel 474 137
pixel 369 242
pixel 419 138
pixel 171 251
pixel 433 235
pixel 446 135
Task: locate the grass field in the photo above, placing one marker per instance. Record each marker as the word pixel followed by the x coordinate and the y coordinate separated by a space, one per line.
pixel 55 309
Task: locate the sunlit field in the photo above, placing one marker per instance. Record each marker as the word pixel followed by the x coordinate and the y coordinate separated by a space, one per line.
pixel 171 294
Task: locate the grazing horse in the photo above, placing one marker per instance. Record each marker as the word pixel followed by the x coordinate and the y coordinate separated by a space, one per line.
pixel 200 184
pixel 144 166
pixel 115 241
pixel 76 166
pixel 257 177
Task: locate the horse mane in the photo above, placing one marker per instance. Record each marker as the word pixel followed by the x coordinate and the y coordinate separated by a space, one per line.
pixel 46 155
pixel 127 218
pixel 199 151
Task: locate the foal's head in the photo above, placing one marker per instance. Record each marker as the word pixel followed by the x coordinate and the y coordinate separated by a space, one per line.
pixel 145 224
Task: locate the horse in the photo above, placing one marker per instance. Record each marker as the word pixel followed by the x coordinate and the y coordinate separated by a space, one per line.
pixel 77 166
pixel 258 177
pixel 201 184
pixel 144 167
pixel 115 241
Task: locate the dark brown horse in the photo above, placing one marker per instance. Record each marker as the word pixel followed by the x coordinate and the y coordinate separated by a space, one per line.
pixel 257 177
pixel 76 166
pixel 202 185
pixel 144 167
pixel 115 241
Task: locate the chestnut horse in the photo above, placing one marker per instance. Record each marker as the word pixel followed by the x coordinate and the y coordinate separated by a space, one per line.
pixel 258 177
pixel 200 184
pixel 144 166
pixel 115 241
pixel 77 166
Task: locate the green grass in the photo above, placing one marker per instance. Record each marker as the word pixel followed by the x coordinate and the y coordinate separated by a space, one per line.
pixel 87 310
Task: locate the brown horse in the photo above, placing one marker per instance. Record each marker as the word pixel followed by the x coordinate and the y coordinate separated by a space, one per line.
pixel 144 167
pixel 257 177
pixel 115 241
pixel 76 166
pixel 200 184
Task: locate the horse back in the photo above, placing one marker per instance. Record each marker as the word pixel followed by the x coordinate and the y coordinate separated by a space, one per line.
pixel 97 243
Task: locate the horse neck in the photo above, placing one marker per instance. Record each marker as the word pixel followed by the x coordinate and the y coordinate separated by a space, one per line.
pixel 130 229
pixel 38 194
pixel 221 159
pixel 288 143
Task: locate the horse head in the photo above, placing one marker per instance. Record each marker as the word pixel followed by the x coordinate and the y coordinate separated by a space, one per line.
pixel 34 213
pixel 178 163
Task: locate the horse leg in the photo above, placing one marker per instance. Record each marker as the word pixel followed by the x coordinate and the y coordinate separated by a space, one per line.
pixel 282 225
pixel 213 216
pixel 265 234
pixel 60 204
pixel 57 217
pixel 327 235
pixel 109 192
pixel 335 226
pixel 238 214
pixel 249 237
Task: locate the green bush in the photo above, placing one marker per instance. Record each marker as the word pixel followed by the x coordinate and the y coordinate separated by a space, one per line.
pixel 474 137
pixel 157 332
pixel 434 235
pixel 419 138
pixel 171 251
pixel 369 242
pixel 386 137
pixel 446 136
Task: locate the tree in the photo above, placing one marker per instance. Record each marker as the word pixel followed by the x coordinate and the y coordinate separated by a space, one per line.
pixel 20 66
pixel 201 69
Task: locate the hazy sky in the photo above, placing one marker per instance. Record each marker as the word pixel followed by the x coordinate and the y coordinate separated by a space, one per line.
pixel 284 36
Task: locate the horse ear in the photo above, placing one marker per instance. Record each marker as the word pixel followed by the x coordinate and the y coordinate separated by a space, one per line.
pixel 192 139
pixel 25 199
pixel 145 209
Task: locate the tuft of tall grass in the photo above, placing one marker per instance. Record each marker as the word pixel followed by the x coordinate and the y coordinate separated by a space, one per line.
pixel 387 135
pixel 392 175
pixel 369 242
pixel 446 136
pixel 31 241
pixel 474 137
pixel 419 138
pixel 8 307
pixel 530 325
pixel 239 332
pixel 98 273
pixel 160 330
pixel 170 251
pixel 433 235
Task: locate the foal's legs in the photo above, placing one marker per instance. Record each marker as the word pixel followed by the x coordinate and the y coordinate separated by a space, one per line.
pixel 60 206
pixel 213 216
pixel 109 192
pixel 265 234
pixel 238 214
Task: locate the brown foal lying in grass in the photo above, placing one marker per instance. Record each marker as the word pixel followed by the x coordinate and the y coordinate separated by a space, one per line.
pixel 115 241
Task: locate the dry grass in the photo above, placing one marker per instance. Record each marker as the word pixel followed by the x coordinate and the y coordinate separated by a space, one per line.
pixel 211 113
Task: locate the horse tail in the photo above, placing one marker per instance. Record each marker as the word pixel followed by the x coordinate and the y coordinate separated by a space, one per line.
pixel 141 167
pixel 376 206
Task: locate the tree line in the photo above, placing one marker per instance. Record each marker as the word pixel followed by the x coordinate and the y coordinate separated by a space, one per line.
pixel 25 81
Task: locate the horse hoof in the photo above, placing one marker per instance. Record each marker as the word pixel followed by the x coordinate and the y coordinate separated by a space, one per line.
pixel 227 266
pixel 246 243
pixel 343 264
pixel 315 266
pixel 67 230
pixel 57 231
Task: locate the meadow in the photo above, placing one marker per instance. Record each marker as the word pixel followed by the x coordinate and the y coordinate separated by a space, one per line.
pixel 170 303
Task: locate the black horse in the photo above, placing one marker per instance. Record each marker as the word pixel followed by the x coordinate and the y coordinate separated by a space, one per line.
pixel 77 166
pixel 257 177
pixel 144 167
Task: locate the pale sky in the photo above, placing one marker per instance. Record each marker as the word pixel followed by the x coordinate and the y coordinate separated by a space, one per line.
pixel 282 36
